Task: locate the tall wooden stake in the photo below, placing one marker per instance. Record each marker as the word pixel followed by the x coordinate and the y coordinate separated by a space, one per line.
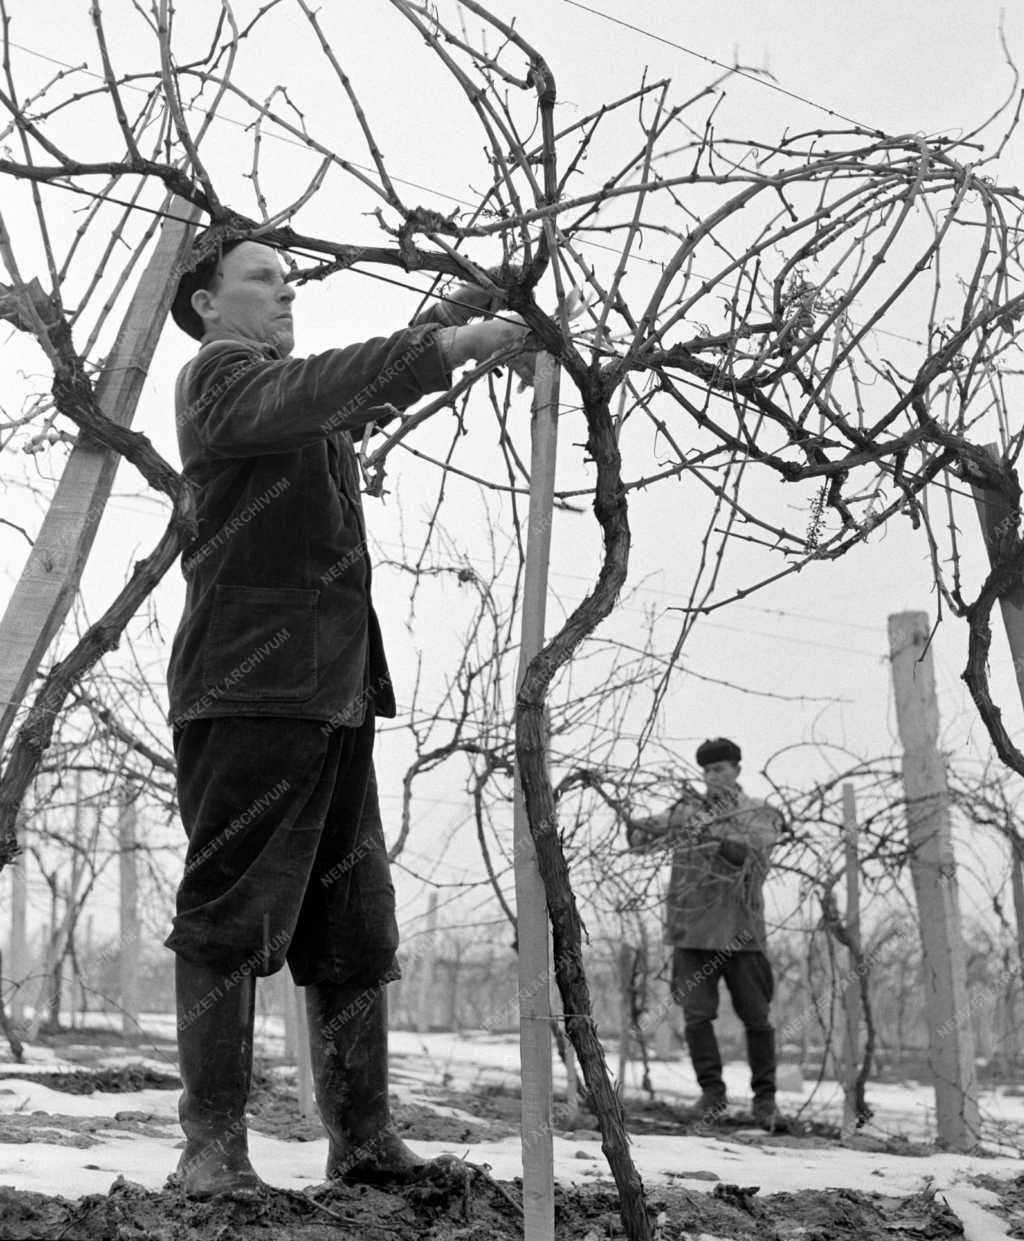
pixel 48 999
pixel 532 934
pixel 48 582
pixel 1017 887
pixel 851 992
pixel 286 998
pixel 626 962
pixel 933 870
pixel 425 990
pixel 296 1041
pixel 303 1061
pixel 129 958
pixel 17 959
pixel 1011 1047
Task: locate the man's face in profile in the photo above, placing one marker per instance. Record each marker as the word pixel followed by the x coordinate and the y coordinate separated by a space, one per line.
pixel 249 299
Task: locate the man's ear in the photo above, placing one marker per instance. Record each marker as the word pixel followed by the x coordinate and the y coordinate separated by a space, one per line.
pixel 203 304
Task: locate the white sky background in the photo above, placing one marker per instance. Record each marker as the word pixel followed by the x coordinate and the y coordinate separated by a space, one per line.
pixel 913 66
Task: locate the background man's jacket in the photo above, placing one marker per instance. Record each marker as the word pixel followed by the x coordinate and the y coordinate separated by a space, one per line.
pixel 720 858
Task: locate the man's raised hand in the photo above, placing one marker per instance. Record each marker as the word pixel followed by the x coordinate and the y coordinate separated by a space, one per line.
pixel 481 341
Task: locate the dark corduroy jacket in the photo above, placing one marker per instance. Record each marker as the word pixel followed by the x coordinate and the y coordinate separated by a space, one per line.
pixel 278 617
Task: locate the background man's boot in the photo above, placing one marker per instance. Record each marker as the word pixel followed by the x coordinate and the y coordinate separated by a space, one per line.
pixel 348 1039
pixel 215 1024
pixel 707 1065
pixel 761 1058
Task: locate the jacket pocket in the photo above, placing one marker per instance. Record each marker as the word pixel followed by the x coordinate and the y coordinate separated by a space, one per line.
pixel 262 644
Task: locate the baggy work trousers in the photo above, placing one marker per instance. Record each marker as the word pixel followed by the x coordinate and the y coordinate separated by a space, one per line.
pixel 696 973
pixel 286 857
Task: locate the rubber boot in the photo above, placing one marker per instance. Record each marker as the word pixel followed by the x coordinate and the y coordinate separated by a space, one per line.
pixel 761 1058
pixel 215 1025
pixel 707 1065
pixel 348 1040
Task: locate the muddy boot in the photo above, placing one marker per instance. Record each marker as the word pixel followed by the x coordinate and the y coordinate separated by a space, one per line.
pixel 215 1022
pixel 708 1109
pixel 348 1040
pixel 761 1058
pixel 768 1116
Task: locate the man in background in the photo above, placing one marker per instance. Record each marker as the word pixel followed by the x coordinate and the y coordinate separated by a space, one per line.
pixel 720 845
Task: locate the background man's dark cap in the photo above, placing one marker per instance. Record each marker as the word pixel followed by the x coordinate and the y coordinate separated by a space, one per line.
pixel 205 257
pixel 718 750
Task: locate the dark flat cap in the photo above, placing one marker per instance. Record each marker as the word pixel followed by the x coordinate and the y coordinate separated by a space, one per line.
pixel 203 261
pixel 718 750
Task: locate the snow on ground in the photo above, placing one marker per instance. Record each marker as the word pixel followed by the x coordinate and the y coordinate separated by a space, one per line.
pixel 468 1063
pixel 421 1064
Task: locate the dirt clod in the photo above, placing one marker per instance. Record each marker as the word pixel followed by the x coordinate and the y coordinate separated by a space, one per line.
pixel 121 1080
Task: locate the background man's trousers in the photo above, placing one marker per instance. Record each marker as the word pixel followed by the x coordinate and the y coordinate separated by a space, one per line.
pixel 696 973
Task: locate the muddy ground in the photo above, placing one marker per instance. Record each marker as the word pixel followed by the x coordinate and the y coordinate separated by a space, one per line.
pixel 462 1203
pixel 455 1201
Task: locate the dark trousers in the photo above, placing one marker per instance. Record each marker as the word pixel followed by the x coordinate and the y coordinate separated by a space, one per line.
pixel 286 857
pixel 696 973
